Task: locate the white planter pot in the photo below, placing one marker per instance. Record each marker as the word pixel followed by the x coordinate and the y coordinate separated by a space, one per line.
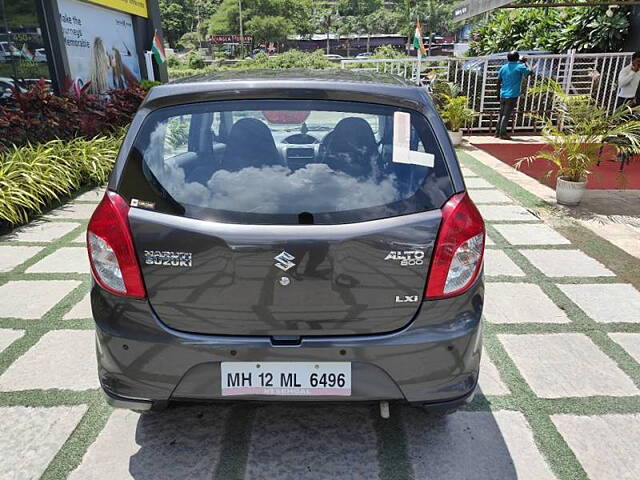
pixel 569 193
pixel 456 137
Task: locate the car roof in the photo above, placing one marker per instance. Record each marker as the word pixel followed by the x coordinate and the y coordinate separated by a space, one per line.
pixel 285 83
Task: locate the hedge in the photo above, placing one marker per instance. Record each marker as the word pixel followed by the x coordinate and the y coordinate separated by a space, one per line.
pixel 35 176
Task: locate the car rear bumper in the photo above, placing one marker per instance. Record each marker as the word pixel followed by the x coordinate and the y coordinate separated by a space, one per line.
pixel 434 360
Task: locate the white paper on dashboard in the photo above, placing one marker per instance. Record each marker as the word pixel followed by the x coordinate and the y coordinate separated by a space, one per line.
pixel 402 152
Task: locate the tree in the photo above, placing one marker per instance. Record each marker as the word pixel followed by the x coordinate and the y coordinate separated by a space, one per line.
pixel 436 16
pixel 346 26
pixel 296 13
pixel 325 19
pixel 381 20
pixel 173 21
pixel 269 29
pixel 184 16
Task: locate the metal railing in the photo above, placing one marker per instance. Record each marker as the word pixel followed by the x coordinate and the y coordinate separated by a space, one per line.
pixel 593 74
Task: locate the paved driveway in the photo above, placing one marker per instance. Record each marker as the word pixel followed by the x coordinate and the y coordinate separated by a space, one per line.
pixel 559 382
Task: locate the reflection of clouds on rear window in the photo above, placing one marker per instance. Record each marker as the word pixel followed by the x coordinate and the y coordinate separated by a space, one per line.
pixel 314 188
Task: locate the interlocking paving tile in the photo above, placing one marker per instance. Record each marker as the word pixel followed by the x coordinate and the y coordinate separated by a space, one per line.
pixel 31 437
pixel 8 336
pixel 41 231
pixel 630 342
pixel 80 211
pixel 496 262
pixel 474 445
pixel 531 234
pixel 520 303
pixel 12 256
pixel 291 442
pixel 490 381
pixel 498 213
pixel 94 195
pixel 181 442
pixel 63 260
pixel 607 446
pixel 63 359
pixel 566 263
pixel 467 173
pixel 616 302
pixel 476 182
pixel 30 299
pixel 566 365
pixel 82 309
pixel 489 196
pixel 82 238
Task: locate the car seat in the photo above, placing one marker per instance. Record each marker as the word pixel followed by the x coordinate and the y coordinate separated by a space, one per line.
pixel 351 147
pixel 250 144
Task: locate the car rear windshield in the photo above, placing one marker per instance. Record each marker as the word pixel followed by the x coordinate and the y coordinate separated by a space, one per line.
pixel 286 162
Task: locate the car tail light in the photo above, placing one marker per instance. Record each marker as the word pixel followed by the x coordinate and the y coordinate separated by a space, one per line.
pixel 457 258
pixel 111 253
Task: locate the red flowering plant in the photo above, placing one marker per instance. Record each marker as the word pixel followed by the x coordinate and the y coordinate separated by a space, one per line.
pixel 38 115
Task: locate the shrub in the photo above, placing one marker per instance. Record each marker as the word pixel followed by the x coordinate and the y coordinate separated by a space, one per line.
pixel 388 51
pixel 189 41
pixel 175 73
pixel 195 61
pixel 147 85
pixel 586 29
pixel 173 61
pixel 39 115
pixel 34 176
pixel 288 59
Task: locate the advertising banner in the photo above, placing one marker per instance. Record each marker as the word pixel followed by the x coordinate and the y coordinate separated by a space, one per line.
pixel 100 46
pixel 134 7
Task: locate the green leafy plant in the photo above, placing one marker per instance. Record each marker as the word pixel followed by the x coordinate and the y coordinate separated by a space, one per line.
pixel 189 41
pixel 586 29
pixel 455 111
pixel 578 130
pixel 147 85
pixel 34 176
pixel 195 60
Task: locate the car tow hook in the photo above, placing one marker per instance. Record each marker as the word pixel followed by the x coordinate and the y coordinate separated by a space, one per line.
pixel 384 409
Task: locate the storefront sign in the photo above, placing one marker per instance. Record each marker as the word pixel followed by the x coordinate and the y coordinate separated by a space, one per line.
pixel 217 39
pixel 134 7
pixel 100 46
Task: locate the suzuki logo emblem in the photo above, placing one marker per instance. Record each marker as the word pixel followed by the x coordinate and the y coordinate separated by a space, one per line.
pixel 284 261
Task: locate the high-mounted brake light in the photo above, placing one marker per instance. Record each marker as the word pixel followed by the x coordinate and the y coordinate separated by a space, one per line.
pixel 111 252
pixel 457 259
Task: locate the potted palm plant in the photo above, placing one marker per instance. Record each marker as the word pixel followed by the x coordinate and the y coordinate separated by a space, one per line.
pixel 453 108
pixel 456 114
pixel 577 136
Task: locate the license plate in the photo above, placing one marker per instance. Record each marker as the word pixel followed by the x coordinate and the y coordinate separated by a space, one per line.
pixel 286 378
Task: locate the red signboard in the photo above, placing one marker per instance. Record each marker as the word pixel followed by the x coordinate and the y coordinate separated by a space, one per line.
pixel 230 39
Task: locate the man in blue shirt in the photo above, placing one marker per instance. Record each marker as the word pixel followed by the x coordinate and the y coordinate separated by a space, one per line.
pixel 509 84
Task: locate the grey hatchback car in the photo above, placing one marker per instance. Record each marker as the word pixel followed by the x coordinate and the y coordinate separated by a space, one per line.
pixel 287 236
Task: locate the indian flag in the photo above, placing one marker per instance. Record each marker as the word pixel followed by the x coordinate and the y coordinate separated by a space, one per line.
pixel 417 39
pixel 158 49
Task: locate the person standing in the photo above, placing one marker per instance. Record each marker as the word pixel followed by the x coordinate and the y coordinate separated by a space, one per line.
pixel 509 87
pixel 628 81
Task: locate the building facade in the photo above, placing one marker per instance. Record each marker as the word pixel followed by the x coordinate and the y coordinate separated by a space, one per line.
pixel 75 43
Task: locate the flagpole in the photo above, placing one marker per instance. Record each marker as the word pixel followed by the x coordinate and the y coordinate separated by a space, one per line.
pixel 419 53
